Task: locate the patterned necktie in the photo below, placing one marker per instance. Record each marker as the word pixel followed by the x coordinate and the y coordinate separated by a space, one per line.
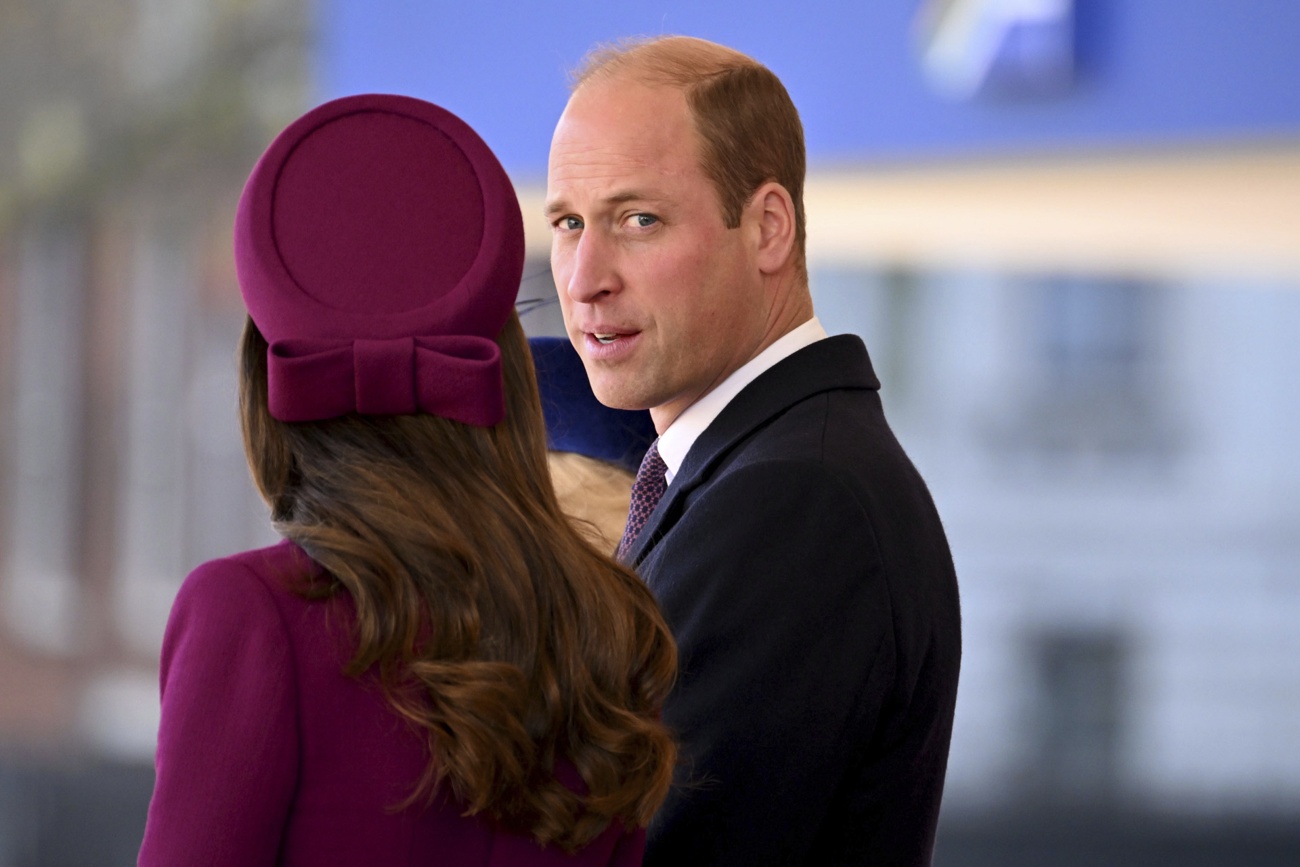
pixel 649 486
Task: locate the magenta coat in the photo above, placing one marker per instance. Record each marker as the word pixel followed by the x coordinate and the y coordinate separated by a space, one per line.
pixel 269 755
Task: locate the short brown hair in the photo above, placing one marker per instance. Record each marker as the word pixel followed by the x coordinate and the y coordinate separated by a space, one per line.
pixel 749 129
pixel 495 628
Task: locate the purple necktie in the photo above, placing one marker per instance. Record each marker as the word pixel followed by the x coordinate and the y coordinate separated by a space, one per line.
pixel 649 486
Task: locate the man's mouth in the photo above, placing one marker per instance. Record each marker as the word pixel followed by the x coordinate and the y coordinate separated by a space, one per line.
pixel 606 338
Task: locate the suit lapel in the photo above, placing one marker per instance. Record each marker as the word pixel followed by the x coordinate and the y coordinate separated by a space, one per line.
pixel 834 363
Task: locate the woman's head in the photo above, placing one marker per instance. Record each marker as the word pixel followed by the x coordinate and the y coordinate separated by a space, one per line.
pixel 379 249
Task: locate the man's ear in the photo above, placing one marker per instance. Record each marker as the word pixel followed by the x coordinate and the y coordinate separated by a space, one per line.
pixel 773 212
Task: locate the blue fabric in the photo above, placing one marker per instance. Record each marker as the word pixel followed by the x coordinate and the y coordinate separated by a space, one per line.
pixel 575 420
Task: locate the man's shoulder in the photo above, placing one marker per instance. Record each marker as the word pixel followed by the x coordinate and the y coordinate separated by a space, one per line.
pixel 831 444
pixel 795 408
pixel 827 425
pixel 840 361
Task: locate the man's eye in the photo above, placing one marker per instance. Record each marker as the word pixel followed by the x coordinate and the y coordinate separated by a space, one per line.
pixel 643 221
pixel 570 223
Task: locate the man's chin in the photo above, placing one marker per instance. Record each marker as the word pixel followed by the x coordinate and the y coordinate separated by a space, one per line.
pixel 616 397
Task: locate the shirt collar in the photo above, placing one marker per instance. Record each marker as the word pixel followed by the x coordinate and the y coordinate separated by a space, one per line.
pixel 675 442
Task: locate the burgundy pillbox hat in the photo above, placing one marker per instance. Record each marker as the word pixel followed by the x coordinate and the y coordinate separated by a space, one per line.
pixel 379 248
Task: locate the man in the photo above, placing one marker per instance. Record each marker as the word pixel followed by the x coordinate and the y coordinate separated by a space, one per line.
pixel 796 552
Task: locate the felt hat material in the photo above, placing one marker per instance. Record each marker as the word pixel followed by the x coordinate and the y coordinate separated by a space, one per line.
pixel 379 247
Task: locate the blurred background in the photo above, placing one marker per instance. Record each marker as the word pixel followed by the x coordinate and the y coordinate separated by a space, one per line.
pixel 1068 231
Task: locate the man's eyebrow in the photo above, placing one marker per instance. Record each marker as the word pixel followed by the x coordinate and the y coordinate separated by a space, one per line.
pixel 560 205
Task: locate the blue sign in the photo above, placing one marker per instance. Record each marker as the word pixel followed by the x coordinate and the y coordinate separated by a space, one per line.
pixel 1106 73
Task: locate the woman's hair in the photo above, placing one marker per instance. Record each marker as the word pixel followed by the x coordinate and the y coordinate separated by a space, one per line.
pixel 495 629
pixel 595 494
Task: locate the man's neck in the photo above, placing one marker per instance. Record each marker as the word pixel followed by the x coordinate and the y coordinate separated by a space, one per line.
pixel 677 437
pixel 792 308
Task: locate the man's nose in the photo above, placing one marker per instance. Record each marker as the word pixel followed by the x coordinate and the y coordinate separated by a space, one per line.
pixel 594 271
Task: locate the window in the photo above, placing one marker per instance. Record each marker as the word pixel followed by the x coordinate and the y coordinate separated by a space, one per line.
pixel 1089 374
pixel 42 592
pixel 1077 716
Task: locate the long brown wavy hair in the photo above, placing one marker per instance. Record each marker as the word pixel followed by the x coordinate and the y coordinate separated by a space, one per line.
pixel 503 636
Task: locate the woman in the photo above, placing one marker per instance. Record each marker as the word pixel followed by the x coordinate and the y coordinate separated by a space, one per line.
pixel 433 667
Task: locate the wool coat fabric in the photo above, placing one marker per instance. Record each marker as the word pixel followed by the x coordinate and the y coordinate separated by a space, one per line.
pixel 268 754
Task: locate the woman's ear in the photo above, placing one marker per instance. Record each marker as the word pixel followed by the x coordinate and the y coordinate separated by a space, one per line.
pixel 772 210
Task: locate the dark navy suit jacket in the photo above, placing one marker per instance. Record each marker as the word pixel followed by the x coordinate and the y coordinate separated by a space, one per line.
pixel 802 566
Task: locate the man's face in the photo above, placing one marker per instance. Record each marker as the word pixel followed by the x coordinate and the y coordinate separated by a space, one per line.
pixel 660 298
